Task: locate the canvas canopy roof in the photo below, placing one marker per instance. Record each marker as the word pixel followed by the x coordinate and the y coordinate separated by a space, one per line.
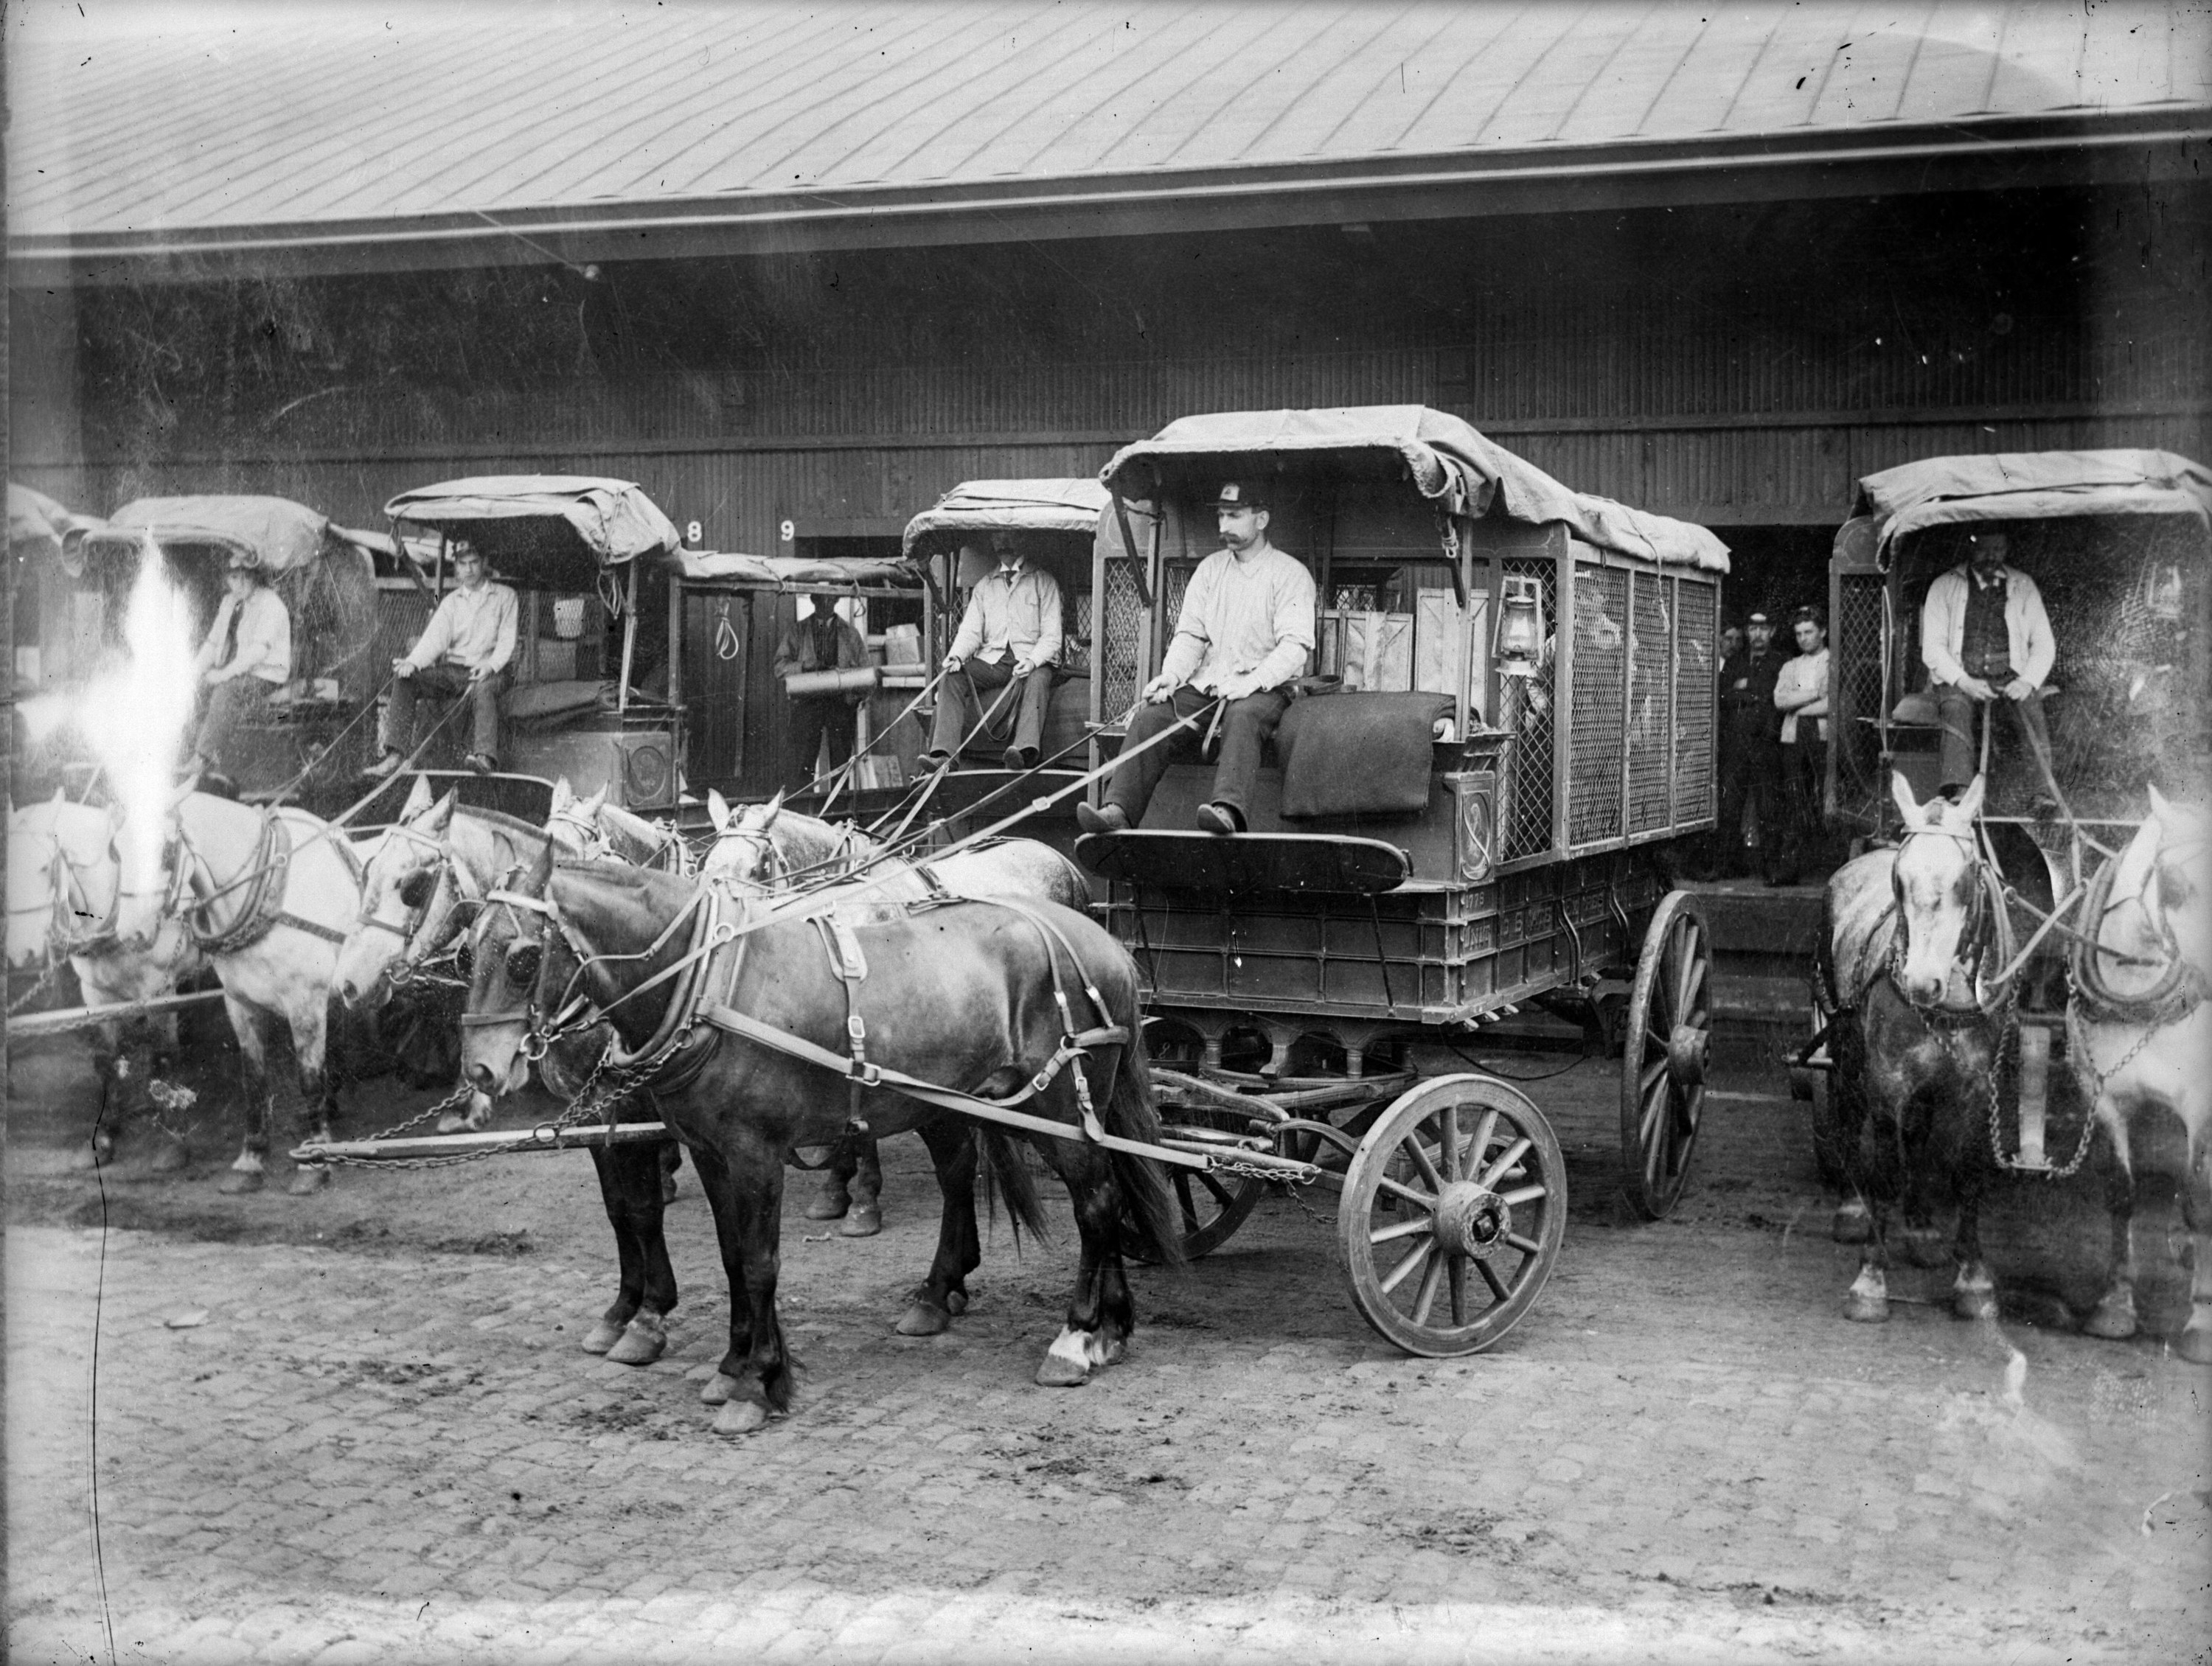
pixel 1446 459
pixel 38 526
pixel 275 534
pixel 698 566
pixel 1020 505
pixel 2007 486
pixel 551 529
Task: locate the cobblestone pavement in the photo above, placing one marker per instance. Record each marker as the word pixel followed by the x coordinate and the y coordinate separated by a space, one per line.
pixel 373 1448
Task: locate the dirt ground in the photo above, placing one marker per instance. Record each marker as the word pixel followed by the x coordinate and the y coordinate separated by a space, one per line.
pixel 357 1427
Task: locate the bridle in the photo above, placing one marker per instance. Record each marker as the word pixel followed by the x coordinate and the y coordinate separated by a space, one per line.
pixel 1988 928
pixel 421 930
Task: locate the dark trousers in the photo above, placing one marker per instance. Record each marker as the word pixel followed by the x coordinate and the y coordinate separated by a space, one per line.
pixel 445 682
pixel 814 716
pixel 1804 779
pixel 1244 730
pixel 1751 775
pixel 241 700
pixel 972 690
pixel 1958 712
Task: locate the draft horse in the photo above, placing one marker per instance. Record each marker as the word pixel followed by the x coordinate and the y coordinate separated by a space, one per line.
pixel 1907 939
pixel 2139 1038
pixel 418 895
pixel 774 849
pixel 708 988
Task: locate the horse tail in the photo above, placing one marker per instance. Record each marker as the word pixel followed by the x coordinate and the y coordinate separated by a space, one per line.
pixel 1006 1178
pixel 1151 1217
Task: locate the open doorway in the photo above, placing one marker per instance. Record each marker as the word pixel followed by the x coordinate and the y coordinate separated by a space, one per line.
pixel 1776 570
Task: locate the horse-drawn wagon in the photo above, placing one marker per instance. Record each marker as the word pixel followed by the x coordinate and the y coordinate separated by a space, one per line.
pixel 312 736
pixel 576 549
pixel 2049 910
pixel 1510 726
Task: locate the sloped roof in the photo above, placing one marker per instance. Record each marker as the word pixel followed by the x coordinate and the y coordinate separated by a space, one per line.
pixel 145 127
pixel 1444 458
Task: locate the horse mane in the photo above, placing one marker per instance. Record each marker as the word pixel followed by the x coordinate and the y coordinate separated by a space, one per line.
pixel 502 820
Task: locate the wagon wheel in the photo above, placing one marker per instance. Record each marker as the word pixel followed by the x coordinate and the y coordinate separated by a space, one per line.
pixel 1210 1206
pixel 1663 1060
pixel 1454 1207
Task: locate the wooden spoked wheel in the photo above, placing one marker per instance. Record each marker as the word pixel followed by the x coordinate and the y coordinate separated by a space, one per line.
pixel 1453 1209
pixel 1663 1055
pixel 1210 1206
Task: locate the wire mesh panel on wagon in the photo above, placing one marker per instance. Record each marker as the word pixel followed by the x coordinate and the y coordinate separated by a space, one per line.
pixel 1509 717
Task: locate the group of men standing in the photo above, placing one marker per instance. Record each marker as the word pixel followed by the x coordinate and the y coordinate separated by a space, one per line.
pixel 1986 642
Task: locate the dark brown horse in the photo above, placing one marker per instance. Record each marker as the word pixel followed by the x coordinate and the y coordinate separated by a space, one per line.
pixel 963 995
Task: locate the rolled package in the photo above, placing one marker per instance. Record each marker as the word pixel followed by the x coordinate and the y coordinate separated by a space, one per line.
pixel 852 679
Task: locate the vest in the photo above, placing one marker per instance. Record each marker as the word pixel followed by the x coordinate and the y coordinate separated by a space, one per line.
pixel 1984 646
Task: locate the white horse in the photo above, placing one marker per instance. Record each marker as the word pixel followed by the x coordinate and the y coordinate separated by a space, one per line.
pixel 269 896
pixel 774 849
pixel 67 897
pixel 2139 1037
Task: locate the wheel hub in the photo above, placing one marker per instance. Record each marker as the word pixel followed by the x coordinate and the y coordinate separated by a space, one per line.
pixel 1471 1219
pixel 1685 1055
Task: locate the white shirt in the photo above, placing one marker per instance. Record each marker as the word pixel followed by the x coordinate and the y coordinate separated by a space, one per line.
pixel 1249 617
pixel 1014 607
pixel 264 637
pixel 1807 674
pixel 473 628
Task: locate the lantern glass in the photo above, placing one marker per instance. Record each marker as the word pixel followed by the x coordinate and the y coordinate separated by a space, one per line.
pixel 1520 629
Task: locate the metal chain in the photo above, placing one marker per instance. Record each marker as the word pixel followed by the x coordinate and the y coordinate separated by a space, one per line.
pixel 577 1112
pixel 45 982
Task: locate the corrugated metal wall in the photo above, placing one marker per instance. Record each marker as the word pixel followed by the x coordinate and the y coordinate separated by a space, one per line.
pixel 1747 386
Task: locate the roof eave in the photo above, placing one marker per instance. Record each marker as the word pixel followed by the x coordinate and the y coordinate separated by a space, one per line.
pixel 2016 153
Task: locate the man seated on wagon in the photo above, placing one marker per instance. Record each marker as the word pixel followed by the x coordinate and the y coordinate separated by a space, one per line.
pixel 246 658
pixel 1010 633
pixel 1987 642
pixel 465 653
pixel 1245 633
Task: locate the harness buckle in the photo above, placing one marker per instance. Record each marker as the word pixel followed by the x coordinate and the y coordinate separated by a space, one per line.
pixel 534 1046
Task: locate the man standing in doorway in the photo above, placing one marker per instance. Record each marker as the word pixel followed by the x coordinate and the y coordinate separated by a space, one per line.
pixel 1987 646
pixel 821 642
pixel 1245 633
pixel 465 653
pixel 1750 751
pixel 1801 694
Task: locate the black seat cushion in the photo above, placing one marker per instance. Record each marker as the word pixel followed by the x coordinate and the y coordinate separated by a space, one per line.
pixel 1359 754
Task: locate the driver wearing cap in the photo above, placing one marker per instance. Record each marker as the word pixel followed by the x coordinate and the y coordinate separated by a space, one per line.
pixel 1245 633
pixel 246 658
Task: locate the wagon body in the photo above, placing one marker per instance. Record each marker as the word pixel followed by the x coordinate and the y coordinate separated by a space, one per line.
pixel 311 743
pixel 574 549
pixel 1531 864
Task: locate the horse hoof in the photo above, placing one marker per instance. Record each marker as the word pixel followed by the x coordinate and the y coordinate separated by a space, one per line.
pixel 863 1222
pixel 2195 1344
pixel 307 1179
pixel 643 1341
pixel 741 1417
pixel 828 1209
pixel 2113 1317
pixel 718 1389
pixel 922 1320
pixel 668 1189
pixel 602 1336
pixel 956 1302
pixel 170 1157
pixel 1866 1310
pixel 237 1182
pixel 451 1123
pixel 1058 1371
pixel 1854 1224
pixel 1974 1304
